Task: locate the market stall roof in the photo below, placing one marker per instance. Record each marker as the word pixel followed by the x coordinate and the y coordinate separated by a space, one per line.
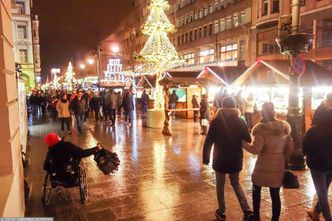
pixel 183 77
pixel 224 75
pixel 148 81
pixel 275 72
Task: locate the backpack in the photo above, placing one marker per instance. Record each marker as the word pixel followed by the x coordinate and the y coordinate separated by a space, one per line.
pixel 107 161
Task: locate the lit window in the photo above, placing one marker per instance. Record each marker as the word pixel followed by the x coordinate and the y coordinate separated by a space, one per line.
pixel 23 56
pixel 229 23
pixel 189 59
pixel 20 7
pixel 216 27
pixel 222 25
pixel 206 10
pixel 206 56
pixel 236 20
pixel 201 13
pixel 21 31
pixel 228 52
pixel 243 17
pixel 211 9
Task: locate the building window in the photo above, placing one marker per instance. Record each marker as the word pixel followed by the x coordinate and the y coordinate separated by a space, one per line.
pixel 275 6
pixel 20 6
pixel 189 59
pixel 196 15
pixel 228 52
pixel 211 9
pixel 216 27
pixel 179 40
pixel 324 33
pixel 236 20
pixel 222 25
pixel 210 29
pixel 268 48
pixel 190 35
pixel 200 32
pixel 187 37
pixel 195 34
pixel 182 38
pixel 201 13
pixel 265 7
pixel 206 56
pixel 229 23
pixel 242 50
pixel 243 17
pixel 23 56
pixel 205 31
pixel 206 10
pixel 21 31
pixel 216 5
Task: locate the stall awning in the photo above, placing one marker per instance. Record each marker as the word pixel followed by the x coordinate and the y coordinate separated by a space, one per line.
pixel 221 75
pixel 148 81
pixel 275 73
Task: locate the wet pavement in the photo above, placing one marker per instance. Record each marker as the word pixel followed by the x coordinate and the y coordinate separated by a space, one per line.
pixel 160 178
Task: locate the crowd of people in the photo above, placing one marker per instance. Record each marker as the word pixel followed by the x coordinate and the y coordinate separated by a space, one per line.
pixel 77 105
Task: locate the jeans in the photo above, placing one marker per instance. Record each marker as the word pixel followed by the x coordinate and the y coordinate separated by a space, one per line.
pixel 234 177
pixel 276 204
pixel 79 121
pixel 113 115
pixel 96 110
pixel 322 181
pixel 63 121
pixel 128 116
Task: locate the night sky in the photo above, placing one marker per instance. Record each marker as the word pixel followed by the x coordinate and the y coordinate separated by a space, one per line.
pixel 70 28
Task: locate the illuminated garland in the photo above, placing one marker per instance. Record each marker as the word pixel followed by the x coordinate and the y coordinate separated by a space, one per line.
pixel 158 53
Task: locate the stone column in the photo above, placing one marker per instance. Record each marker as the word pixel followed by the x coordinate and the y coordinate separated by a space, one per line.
pixel 11 172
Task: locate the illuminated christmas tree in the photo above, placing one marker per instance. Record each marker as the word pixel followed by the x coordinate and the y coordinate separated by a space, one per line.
pixel 69 77
pixel 158 50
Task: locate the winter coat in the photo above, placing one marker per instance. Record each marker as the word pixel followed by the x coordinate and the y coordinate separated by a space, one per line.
pixel 194 102
pixel 34 100
pixel 204 109
pixel 173 98
pixel 79 106
pixel 95 102
pixel 61 154
pixel 128 103
pixel 272 143
pixel 145 99
pixel 63 109
pixel 112 101
pixel 42 101
pixel 317 147
pixel 226 132
pixel 321 114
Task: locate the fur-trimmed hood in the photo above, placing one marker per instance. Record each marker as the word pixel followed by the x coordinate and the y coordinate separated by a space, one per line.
pixel 228 112
pixel 275 128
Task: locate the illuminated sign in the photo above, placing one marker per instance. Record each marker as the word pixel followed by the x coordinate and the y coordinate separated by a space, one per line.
pixel 114 71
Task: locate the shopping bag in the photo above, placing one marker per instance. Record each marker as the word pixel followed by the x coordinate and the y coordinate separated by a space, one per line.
pixel 205 122
pixel 290 181
pixel 107 161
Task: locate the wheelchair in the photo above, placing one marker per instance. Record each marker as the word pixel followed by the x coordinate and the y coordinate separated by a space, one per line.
pixel 73 175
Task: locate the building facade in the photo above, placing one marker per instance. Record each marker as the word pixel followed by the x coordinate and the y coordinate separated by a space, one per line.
pixel 23 43
pixel 11 171
pixel 36 48
pixel 315 18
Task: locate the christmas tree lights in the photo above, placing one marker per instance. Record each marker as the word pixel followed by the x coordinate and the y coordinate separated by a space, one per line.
pixel 158 52
pixel 69 77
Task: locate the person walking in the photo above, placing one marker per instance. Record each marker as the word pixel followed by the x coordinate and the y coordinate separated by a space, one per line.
pixel 317 147
pixel 63 110
pixel 95 105
pixel 226 133
pixel 33 101
pixel 204 112
pixel 319 114
pixel 249 109
pixel 79 107
pixel 128 107
pixel 195 105
pixel 272 143
pixel 112 103
pixel 173 99
pixel 145 103
pixel 106 111
pixel 42 102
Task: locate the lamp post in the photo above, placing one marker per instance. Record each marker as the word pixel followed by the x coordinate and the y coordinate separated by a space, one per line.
pixel 115 51
pixel 293 45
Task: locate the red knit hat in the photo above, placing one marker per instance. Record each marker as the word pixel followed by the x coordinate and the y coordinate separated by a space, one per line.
pixel 51 139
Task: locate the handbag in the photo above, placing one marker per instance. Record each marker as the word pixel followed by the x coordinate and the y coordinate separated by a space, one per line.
pixel 290 180
pixel 107 161
pixel 205 122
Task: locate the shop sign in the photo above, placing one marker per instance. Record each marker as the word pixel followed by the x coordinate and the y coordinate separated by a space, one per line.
pixel 298 65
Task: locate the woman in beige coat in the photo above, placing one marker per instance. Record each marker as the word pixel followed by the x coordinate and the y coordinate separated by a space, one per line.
pixel 272 143
pixel 62 108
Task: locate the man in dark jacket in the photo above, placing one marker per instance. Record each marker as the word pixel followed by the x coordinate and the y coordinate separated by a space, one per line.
pixel 226 132
pixel 317 147
pixel 145 102
pixel 322 110
pixel 79 107
pixel 95 105
pixel 62 153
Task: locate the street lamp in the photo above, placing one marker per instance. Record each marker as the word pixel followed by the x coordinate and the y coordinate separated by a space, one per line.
pixel 82 66
pixel 90 61
pixel 115 48
pixel 293 45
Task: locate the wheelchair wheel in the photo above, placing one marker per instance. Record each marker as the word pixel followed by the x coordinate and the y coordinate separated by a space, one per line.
pixel 46 190
pixel 83 186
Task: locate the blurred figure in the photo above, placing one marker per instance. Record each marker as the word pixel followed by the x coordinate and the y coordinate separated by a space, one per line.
pixel 106 110
pixel 249 109
pixel 63 110
pixel 145 103
pixel 33 100
pixel 204 112
pixel 219 97
pixel 272 143
pixel 95 105
pixel 195 104
pixel 79 106
pixel 128 107
pixel 42 102
pixel 173 99
pixel 112 104
pixel 240 101
pixel 322 110
pixel 226 133
pixel 120 101
pixel 317 147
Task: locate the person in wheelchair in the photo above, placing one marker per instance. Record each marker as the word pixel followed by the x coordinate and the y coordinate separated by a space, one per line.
pixel 63 159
